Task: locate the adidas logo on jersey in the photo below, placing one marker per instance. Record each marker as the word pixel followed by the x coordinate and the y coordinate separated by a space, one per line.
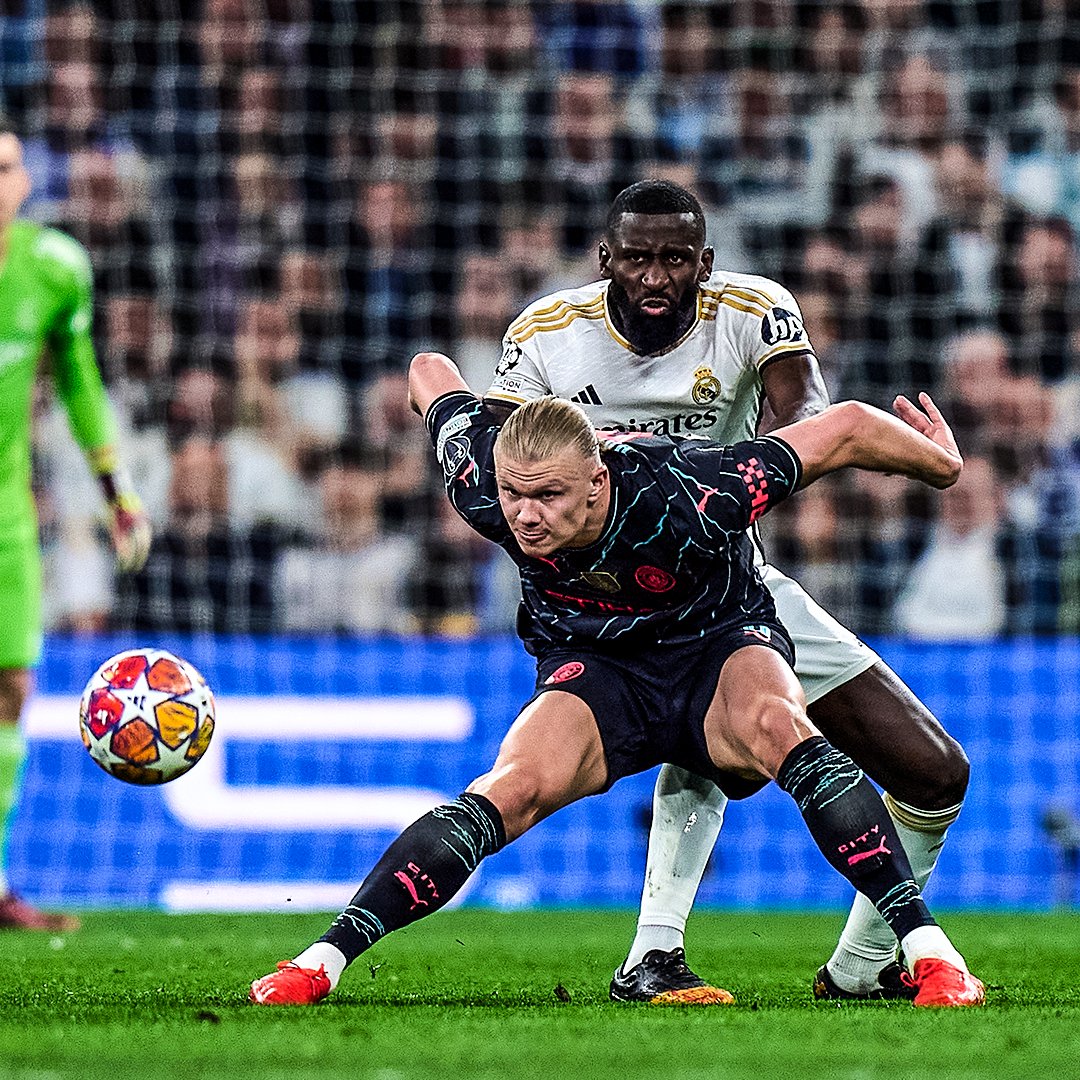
pixel 588 396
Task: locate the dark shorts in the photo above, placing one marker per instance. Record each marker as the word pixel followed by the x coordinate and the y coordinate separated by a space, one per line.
pixel 650 707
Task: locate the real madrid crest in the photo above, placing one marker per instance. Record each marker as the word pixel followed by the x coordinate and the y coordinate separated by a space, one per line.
pixel 706 386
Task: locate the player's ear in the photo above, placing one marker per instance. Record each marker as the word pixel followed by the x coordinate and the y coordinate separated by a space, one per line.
pixel 597 483
pixel 604 258
pixel 707 256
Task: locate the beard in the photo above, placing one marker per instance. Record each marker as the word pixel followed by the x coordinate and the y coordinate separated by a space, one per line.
pixel 651 334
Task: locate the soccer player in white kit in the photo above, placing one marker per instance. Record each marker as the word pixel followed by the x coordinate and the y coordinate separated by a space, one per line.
pixel 665 343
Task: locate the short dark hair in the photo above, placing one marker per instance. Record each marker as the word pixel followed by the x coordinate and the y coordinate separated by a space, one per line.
pixel 7 127
pixel 655 197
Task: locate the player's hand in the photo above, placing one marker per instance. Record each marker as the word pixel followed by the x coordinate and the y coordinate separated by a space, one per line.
pixel 929 423
pixel 129 529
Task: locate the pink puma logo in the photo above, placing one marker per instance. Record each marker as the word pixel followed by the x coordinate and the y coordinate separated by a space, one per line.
pixel 408 883
pixel 881 849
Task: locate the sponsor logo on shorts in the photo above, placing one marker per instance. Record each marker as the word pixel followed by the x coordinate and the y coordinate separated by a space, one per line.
pixel 565 673
pixel 653 579
pixel 762 633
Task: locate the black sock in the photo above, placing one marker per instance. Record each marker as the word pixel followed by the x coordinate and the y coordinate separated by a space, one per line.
pixel 419 872
pixel 849 822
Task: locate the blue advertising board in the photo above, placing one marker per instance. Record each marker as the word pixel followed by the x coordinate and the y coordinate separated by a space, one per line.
pixel 325 749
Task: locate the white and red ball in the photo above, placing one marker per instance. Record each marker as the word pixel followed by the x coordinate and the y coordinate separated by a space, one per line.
pixel 146 716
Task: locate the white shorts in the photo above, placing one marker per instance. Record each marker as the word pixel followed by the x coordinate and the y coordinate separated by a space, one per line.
pixel 827 654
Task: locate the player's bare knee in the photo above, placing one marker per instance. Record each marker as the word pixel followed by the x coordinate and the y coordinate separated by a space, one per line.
pixel 780 723
pixel 518 793
pixel 14 690
pixel 945 785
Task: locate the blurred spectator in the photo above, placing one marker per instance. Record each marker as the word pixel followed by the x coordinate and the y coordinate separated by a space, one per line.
pixel 394 430
pixel 451 577
pixel 976 228
pixel 259 217
pixel 833 62
pixel 532 258
pixel 489 96
pixel 296 411
pixel 309 291
pixel 921 106
pixel 352 576
pixel 814 540
pixel 957 587
pixel 821 316
pixel 21 61
pixel 607 37
pixel 685 103
pixel 1043 170
pixel 72 33
pixel 392 288
pixel 258 119
pixel 584 158
pixel 264 487
pixel 206 572
pixel 107 211
pixel 75 118
pixel 762 168
pixel 1004 416
pixel 1039 312
pixel 485 305
pixel 136 353
pixel 900 308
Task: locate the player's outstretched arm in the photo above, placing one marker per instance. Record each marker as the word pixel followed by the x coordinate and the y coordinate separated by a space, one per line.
pixel 917 444
pixel 431 375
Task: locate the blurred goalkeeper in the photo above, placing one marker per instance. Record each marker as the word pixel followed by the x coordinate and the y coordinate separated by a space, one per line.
pixel 45 311
pixel 655 640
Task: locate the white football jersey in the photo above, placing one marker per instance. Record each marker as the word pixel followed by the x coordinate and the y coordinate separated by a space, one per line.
pixel 707 384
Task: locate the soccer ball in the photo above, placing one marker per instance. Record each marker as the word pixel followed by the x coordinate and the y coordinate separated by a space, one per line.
pixel 146 716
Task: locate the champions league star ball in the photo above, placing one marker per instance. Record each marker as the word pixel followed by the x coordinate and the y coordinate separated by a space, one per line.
pixel 146 716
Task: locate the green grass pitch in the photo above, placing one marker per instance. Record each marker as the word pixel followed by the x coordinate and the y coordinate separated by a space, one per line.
pixel 483 994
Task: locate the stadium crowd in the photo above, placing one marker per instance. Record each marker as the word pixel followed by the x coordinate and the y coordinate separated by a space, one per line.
pixel 284 199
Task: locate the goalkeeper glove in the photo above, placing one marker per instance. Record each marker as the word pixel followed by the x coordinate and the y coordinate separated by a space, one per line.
pixel 129 530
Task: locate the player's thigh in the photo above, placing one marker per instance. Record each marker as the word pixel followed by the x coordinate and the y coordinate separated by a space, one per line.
pixel 827 653
pixel 551 756
pixel 758 714
pixel 889 733
pixel 20 623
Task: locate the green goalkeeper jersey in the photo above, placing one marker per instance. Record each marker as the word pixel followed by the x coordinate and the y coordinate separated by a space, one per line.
pixel 45 308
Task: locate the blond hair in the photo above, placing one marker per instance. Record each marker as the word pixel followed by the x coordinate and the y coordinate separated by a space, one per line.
pixel 544 427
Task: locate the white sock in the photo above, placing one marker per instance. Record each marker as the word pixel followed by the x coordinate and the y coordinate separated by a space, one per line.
pixel 323 954
pixel 688 811
pixel 867 944
pixel 927 941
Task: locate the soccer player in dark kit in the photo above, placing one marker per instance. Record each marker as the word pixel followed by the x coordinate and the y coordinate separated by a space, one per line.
pixel 655 641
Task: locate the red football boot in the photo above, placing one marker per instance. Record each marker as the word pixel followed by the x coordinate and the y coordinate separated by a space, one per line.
pixel 291 985
pixel 17 914
pixel 941 984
